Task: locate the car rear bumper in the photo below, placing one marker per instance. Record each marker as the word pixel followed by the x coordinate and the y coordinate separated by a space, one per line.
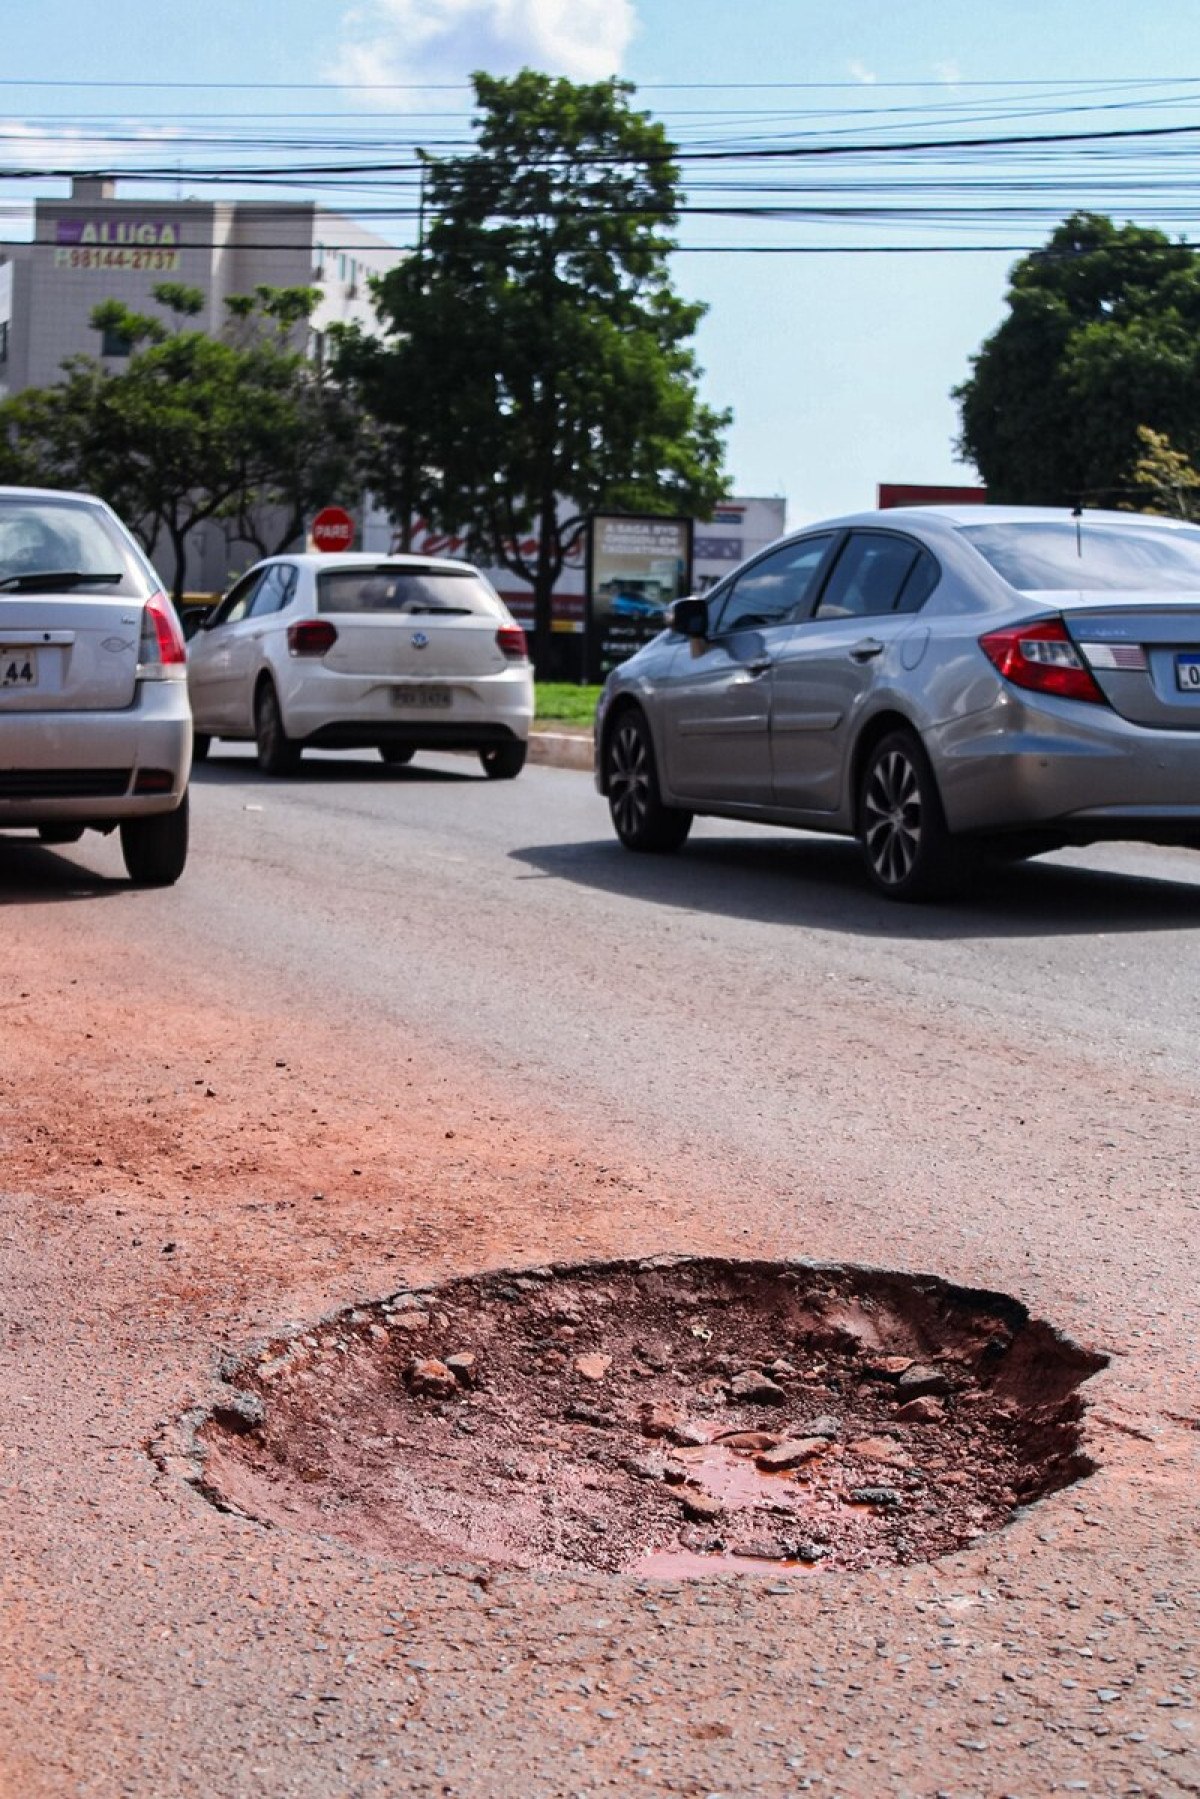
pixel 1075 768
pixel 348 711
pixel 86 767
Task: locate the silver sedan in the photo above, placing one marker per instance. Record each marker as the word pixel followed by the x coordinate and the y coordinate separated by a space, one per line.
pixel 935 682
pixel 95 731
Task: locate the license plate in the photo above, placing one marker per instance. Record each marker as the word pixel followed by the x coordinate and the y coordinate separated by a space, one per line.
pixel 18 668
pixel 422 696
pixel 1187 673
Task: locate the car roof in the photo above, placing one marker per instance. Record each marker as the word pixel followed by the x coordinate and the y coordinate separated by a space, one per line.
pixel 953 517
pixel 51 493
pixel 367 559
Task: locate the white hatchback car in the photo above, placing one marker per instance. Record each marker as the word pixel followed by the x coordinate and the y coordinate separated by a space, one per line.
pixel 394 653
pixel 95 732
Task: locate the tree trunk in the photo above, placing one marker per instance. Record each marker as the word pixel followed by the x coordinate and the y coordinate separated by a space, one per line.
pixel 179 536
pixel 545 576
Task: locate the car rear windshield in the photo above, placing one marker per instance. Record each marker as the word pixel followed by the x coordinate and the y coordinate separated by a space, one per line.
pixel 46 537
pixel 411 591
pixel 1086 557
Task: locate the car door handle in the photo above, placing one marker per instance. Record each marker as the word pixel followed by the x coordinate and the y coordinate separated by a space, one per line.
pixel 865 649
pixel 758 668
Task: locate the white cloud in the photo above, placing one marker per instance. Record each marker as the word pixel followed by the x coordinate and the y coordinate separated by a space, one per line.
pixel 949 72
pixel 36 147
pixel 860 72
pixel 444 40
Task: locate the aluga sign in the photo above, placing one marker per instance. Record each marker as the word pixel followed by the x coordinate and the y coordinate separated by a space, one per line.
pixel 127 234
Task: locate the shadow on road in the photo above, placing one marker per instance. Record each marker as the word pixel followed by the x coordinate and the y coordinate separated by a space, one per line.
pixel 329 771
pixel 32 873
pixel 819 882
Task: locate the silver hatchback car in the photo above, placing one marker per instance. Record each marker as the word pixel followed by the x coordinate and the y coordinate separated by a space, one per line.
pixel 935 682
pixel 95 729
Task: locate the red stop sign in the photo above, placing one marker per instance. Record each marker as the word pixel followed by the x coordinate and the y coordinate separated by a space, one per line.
pixel 332 529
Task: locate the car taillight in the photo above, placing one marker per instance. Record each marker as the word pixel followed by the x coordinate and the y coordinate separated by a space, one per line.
pixel 162 652
pixel 1043 658
pixel 311 637
pixel 510 640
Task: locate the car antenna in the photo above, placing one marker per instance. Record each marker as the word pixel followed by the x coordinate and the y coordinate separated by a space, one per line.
pixel 1077 515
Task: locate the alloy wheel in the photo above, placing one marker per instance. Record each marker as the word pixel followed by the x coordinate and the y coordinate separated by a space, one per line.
pixel 629 779
pixel 892 817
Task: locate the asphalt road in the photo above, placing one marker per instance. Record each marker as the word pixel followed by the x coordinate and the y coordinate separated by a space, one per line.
pixel 508 1041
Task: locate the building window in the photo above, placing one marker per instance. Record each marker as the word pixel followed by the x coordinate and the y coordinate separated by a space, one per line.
pixel 115 343
pixel 3 341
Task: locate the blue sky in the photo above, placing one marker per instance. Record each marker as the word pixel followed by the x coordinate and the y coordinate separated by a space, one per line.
pixel 838 366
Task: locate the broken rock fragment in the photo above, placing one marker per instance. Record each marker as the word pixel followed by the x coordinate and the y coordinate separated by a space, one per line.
pixel 756 1388
pixel 791 1454
pixel 593 1367
pixel 925 1410
pixel 463 1367
pixel 920 1380
pixel 431 1379
pixel 702 1508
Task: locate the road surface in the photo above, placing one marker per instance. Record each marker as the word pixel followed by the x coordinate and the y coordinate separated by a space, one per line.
pixel 398 1024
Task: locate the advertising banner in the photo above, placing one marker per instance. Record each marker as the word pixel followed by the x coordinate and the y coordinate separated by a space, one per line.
pixel 637 565
pixel 148 245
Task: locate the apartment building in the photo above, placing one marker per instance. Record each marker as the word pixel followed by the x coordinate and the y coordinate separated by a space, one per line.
pixel 94 246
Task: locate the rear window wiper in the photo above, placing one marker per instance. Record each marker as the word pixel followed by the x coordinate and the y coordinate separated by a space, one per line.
pixel 38 580
pixel 446 611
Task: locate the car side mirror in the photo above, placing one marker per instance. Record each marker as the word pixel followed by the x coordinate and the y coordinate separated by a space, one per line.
pixel 690 617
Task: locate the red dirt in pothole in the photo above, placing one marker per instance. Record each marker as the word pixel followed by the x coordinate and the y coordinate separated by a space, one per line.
pixel 672 1416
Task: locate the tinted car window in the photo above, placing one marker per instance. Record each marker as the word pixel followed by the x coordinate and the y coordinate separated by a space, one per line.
pixel 922 578
pixel 236 603
pixel 405 590
pixel 46 536
pixel 1054 554
pixel 868 576
pixel 776 587
pixel 274 591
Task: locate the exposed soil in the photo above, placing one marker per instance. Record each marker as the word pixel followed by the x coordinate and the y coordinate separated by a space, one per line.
pixel 668 1416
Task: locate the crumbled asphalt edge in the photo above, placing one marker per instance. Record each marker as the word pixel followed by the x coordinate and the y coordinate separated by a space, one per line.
pixel 179 1451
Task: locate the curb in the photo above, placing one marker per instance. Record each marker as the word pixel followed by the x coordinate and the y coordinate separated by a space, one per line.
pixel 561 749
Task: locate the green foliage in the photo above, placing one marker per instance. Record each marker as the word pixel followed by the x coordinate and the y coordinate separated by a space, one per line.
pixel 194 427
pixel 562 703
pixel 535 347
pixel 1164 477
pixel 1101 337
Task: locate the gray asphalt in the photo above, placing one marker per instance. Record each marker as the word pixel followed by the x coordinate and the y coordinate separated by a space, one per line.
pixel 771 1061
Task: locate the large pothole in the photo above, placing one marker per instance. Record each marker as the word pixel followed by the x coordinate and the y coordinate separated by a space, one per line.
pixel 678 1415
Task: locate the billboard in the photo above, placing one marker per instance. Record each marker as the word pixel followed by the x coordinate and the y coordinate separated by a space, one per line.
pixel 637 565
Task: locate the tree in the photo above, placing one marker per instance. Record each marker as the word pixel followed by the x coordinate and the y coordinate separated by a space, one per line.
pixel 1101 337
pixel 194 427
pixel 1165 479
pixel 535 348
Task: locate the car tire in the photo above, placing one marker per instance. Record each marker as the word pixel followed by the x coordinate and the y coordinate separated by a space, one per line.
pixel 55 834
pixel 908 851
pixel 396 754
pixel 277 753
pixel 503 761
pixel 201 744
pixel 155 849
pixel 640 819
